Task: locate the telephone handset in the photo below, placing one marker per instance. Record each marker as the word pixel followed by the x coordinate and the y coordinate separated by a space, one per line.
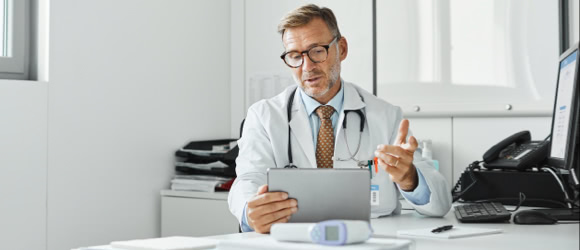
pixel 517 152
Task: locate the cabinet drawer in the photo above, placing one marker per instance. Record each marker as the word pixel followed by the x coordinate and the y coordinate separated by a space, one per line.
pixel 196 217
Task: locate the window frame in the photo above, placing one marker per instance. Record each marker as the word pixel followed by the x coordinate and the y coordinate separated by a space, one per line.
pixel 17 66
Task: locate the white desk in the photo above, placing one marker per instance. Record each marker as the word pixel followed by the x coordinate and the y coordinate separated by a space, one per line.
pixel 551 237
pixel 559 236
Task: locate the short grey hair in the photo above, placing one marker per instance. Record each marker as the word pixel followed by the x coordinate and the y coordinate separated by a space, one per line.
pixel 305 14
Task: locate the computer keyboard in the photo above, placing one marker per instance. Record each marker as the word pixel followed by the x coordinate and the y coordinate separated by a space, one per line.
pixel 482 212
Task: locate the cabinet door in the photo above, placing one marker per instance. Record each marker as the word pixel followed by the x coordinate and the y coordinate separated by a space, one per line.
pixel 439 131
pixel 467 57
pixel 196 217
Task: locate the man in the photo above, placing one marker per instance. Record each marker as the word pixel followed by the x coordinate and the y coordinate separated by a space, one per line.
pixel 314 49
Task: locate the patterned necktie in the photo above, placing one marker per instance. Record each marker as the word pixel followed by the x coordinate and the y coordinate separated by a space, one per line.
pixel 325 142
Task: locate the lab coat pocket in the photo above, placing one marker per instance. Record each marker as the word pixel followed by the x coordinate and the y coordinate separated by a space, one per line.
pixel 386 195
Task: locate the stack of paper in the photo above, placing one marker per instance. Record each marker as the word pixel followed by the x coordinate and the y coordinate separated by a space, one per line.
pixel 216 149
pixel 167 243
pixel 204 166
pixel 270 243
pixel 203 183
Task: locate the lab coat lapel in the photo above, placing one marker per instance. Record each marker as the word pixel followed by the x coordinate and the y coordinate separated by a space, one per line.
pixel 300 126
pixel 352 101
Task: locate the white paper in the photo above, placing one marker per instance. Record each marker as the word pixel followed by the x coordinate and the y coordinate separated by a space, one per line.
pixel 455 232
pixel 201 152
pixel 206 166
pixel 167 243
pixel 203 187
pixel 202 177
pixel 270 243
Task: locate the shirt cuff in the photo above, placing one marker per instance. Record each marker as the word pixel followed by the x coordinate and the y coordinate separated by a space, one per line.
pixel 421 194
pixel 245 227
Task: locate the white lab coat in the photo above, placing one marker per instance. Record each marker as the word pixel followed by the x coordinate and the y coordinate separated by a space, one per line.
pixel 264 145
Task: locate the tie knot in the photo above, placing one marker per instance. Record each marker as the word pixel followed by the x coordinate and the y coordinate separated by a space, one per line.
pixel 324 111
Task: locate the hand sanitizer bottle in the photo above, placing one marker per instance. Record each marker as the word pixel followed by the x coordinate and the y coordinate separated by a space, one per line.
pixel 427 154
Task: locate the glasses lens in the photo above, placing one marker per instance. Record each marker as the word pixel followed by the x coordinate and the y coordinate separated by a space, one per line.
pixel 293 59
pixel 317 54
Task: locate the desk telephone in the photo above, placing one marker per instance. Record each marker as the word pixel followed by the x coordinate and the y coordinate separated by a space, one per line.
pixel 517 152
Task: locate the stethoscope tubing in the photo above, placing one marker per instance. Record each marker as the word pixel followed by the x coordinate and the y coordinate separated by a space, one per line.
pixel 346 112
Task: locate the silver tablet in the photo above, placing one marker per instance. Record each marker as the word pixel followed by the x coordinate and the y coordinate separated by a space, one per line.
pixel 324 194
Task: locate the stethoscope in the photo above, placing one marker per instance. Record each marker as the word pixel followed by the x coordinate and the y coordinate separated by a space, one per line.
pixel 346 112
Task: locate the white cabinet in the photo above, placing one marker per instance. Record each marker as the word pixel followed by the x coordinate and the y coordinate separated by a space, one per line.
pixel 196 214
pixel 439 131
pixel 428 56
pixel 458 141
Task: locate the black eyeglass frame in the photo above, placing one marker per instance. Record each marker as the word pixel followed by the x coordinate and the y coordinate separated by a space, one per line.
pixel 326 47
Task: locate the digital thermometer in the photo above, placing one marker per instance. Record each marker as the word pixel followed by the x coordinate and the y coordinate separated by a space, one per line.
pixel 330 232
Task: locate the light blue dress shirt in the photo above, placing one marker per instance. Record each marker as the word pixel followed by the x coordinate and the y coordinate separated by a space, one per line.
pixel 419 196
pixel 311 105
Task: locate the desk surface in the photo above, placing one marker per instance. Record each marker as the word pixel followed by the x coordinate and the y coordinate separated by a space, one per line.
pixel 559 236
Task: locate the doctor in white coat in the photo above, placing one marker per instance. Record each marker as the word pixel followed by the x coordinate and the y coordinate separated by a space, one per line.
pixel 314 49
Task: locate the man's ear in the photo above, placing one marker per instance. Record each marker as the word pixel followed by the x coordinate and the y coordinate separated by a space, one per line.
pixel 343 46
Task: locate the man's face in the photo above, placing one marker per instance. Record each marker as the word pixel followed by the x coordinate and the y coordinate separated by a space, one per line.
pixel 316 79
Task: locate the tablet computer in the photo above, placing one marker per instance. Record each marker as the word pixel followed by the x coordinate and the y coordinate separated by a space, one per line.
pixel 324 194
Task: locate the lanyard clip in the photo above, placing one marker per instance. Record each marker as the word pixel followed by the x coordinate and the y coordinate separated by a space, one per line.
pixel 363 164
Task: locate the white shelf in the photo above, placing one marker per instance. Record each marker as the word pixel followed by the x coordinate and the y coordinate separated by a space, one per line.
pixel 193 194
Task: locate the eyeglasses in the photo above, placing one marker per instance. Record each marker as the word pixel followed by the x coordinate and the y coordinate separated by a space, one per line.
pixel 318 54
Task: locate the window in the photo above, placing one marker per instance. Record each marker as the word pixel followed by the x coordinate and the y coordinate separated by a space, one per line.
pixel 14 39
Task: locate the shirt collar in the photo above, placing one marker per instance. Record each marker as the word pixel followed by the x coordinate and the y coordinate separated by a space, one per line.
pixel 310 104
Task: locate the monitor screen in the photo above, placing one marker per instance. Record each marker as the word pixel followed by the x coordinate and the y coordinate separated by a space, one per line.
pixel 565 110
pixel 564 106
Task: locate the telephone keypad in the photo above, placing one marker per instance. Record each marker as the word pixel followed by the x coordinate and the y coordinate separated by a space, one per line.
pixel 519 151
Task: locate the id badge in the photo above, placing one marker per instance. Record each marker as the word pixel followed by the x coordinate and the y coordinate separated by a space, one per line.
pixel 374 195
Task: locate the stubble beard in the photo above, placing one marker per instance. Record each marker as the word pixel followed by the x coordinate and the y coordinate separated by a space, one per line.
pixel 333 78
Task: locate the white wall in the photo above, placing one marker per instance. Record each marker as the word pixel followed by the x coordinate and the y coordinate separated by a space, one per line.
pixel 131 81
pixel 257 46
pixel 23 144
pixel 84 156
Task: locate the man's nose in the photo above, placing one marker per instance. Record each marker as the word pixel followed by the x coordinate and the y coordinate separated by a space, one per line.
pixel 307 64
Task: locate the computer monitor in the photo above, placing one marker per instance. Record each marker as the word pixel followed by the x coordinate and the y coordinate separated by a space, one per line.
pixel 565 116
pixel 564 149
